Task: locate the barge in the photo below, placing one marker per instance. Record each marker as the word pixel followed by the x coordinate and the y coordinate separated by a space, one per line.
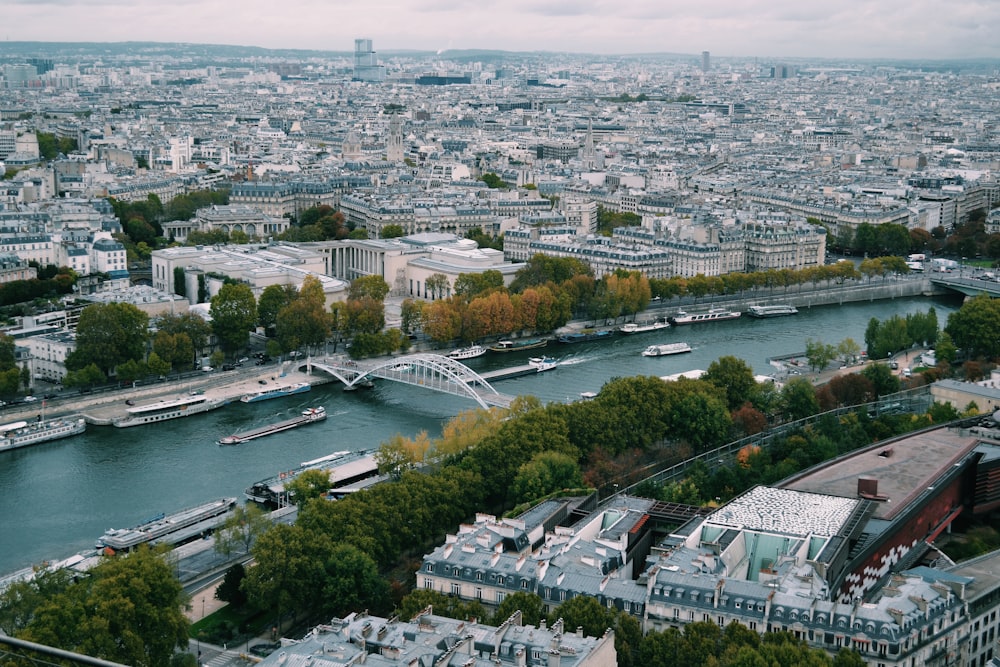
pixel 169 529
pixel 308 416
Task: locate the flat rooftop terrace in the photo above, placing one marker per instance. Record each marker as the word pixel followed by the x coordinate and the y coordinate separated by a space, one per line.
pixel 903 468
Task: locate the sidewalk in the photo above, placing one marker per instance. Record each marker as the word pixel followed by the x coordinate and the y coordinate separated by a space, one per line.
pixel 204 603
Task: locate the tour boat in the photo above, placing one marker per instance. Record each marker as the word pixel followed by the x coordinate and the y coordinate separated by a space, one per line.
pixel 470 352
pixel 761 312
pixel 711 316
pixel 665 349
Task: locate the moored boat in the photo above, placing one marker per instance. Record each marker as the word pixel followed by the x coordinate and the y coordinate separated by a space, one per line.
pixel 308 416
pixel 277 391
pixel 635 328
pixel 518 345
pixel 712 315
pixel 164 410
pixel 771 311
pixel 666 349
pixel 169 529
pixel 24 433
pixel 585 336
pixel 470 352
pixel 344 468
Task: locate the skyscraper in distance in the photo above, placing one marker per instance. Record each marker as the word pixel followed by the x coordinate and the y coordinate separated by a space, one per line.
pixel 706 61
pixel 366 67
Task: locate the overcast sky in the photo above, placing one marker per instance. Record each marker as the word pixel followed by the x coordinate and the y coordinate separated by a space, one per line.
pixel 789 28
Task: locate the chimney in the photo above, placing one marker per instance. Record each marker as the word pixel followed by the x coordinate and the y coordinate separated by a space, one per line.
pixel 554 658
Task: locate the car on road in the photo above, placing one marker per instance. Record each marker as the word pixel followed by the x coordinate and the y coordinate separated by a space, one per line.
pixel 30 399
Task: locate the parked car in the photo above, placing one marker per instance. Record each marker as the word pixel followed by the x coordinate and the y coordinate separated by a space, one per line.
pixel 228 367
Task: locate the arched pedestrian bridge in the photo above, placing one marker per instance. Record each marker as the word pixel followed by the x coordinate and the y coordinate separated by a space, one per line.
pixel 430 371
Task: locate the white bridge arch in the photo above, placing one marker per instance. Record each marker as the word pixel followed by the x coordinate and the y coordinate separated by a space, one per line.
pixel 431 371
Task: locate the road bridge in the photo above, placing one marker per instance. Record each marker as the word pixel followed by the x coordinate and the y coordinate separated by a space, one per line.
pixel 430 371
pixel 968 286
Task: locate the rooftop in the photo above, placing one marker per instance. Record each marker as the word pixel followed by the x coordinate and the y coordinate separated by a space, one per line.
pixel 902 468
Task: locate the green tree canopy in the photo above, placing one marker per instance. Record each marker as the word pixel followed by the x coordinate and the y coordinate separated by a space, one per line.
pixel 234 314
pixel 372 287
pixel 974 326
pixel 735 377
pixel 272 300
pixel 108 335
pixel 127 610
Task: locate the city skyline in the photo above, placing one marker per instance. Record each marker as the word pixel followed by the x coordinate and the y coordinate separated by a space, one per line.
pixel 855 29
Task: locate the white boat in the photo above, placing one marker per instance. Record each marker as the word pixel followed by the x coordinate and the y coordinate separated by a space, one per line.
pixel 277 391
pixel 470 352
pixel 634 328
pixel 542 364
pixel 164 410
pixel 771 311
pixel 23 433
pixel 665 349
pixel 712 315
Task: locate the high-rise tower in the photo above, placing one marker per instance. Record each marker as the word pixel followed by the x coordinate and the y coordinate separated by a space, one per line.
pixel 706 61
pixel 366 67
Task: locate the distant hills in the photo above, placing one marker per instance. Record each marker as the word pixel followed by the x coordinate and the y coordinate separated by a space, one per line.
pixel 207 53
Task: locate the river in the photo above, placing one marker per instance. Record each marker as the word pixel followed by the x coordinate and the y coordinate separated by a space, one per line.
pixel 62 495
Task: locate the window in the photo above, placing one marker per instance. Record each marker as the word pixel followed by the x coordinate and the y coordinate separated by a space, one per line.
pixel 456 589
pixel 500 596
pixel 479 593
pixel 524 584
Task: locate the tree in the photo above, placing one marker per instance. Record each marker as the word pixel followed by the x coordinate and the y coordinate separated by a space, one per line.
pixel 819 354
pixel 697 413
pixel 271 302
pixel 241 529
pixel 353 582
pixel 87 376
pixel 108 335
pixel 882 379
pixel 230 589
pixel 544 473
pixel 290 569
pixel 975 325
pixel 305 321
pixel 410 312
pixel 157 365
pixel 470 285
pixel 436 285
pixel 531 606
pixel 799 399
pixel 393 231
pixel 848 350
pixel 945 350
pixel 308 484
pixel 735 377
pixel 127 610
pixel 372 287
pixel 234 313
pixel 190 326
